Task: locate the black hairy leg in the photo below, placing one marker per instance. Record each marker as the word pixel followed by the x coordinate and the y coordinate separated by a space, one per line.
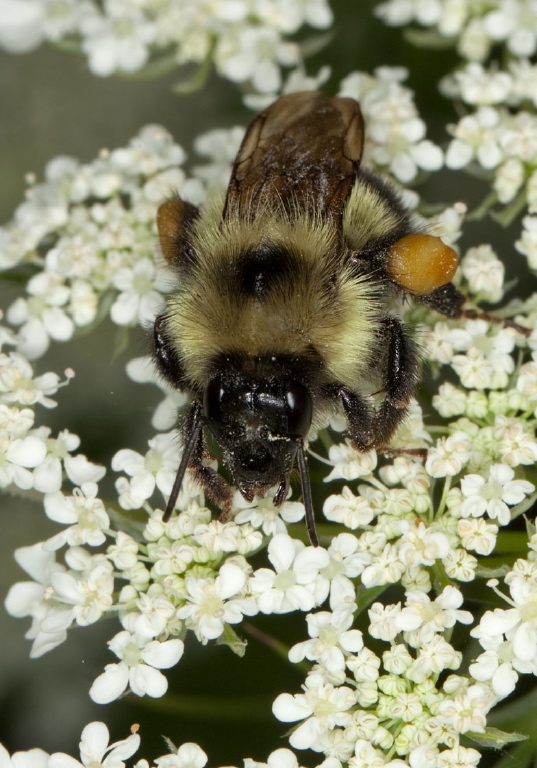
pixel 194 452
pixel 359 418
pixel 449 301
pixel 399 378
pixel 373 428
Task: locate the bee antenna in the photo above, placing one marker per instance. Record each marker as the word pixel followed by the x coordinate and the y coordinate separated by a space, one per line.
pixel 188 450
pixel 306 491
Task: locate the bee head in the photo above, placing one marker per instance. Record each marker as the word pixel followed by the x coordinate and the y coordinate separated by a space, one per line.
pixel 257 421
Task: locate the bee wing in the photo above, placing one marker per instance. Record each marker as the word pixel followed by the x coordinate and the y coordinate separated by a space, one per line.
pixel 304 150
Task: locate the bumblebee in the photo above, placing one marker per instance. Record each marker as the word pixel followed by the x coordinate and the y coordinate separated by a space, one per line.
pixel 289 299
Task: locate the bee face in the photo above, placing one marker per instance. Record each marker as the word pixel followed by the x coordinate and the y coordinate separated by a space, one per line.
pixel 257 421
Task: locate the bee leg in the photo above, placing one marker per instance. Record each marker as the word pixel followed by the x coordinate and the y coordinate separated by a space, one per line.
pixel 359 418
pixel 448 301
pixel 211 482
pixel 400 379
pixel 214 486
pixel 370 428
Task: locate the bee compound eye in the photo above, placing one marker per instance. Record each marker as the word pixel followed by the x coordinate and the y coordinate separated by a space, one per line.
pixel 165 354
pixel 212 399
pixel 299 410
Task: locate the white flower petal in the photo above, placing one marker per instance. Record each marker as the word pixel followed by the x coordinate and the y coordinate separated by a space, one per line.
pixel 163 655
pixel 110 684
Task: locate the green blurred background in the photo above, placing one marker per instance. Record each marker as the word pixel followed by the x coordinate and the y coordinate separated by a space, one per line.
pixel 52 105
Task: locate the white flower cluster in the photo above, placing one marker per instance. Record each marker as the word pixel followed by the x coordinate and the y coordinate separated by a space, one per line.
pixel 88 231
pixel 474 27
pixel 31 458
pixel 502 143
pixel 96 752
pixel 246 40
pixel 508 636
pixel 395 134
pixel 497 83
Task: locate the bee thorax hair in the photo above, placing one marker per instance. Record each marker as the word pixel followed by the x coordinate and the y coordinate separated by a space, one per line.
pixel 272 284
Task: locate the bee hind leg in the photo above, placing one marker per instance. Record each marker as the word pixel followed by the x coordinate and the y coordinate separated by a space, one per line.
pixel 373 428
pixel 449 301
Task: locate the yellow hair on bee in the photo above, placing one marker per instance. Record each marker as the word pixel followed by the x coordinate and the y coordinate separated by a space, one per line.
pixel 368 215
pixel 316 308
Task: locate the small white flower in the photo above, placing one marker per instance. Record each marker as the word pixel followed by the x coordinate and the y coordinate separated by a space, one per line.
pixel 18 384
pixel 386 568
pixel 139 667
pixel 442 341
pixel 459 757
pixel 383 621
pixel 450 400
pixel 499 666
pixel 212 603
pixel 432 659
pixel 218 537
pixel 35 598
pixel 18 457
pixel 255 53
pixel 468 711
pixel 348 463
pixel 475 137
pixel 124 552
pixel 493 495
pixel 484 272
pixel 83 512
pixel 295 581
pixel 117 41
pixel 153 612
pixel 156 469
pixel 262 513
pixel 517 624
pixel 188 755
pixel 449 455
pixel 95 750
pixel 350 510
pixel 322 707
pixel 510 177
pixel 140 297
pixel 332 639
pixel 33 758
pixel 479 87
pixel 515 446
pixel 514 23
pixel 478 535
pixel 89 592
pixel 421 545
pixel 42 316
pixel 346 563
pixel 421 618
pixel 527 244
pixel 460 565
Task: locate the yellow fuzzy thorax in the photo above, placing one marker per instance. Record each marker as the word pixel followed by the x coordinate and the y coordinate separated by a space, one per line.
pixel 319 308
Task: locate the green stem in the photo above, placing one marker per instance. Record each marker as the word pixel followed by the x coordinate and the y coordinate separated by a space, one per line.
pixel 481 211
pixel 276 646
pixel 364 597
pixel 511 211
pixel 441 506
